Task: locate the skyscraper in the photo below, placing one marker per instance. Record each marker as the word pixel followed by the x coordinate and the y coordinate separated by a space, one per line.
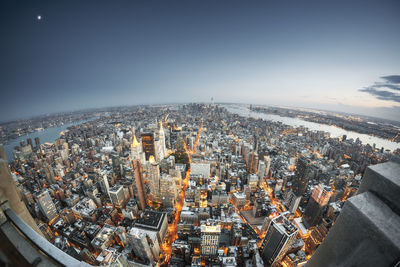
pixel 116 163
pixel 292 201
pixel 117 195
pixel 136 150
pixel 261 171
pixel 148 145
pixel 49 173
pixel 318 200
pixel 168 190
pixel 105 187
pixel 279 236
pixel 299 185
pixel 141 194
pixel 162 150
pixel 46 206
pixel 37 142
pixel 153 177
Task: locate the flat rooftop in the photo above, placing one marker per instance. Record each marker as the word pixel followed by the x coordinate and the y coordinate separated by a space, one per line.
pixel 150 220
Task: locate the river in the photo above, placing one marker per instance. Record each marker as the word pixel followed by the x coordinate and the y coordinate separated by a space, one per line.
pixel 48 135
pixel 333 130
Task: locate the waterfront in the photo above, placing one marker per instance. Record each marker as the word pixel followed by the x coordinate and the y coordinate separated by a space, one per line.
pixel 48 135
pixel 243 110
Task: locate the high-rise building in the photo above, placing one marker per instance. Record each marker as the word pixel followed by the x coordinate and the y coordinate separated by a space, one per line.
pixel 252 182
pixel 155 222
pixel 261 171
pixel 210 234
pixel 143 246
pixel 168 192
pixel 267 161
pixel 299 185
pixel 105 187
pixel 116 163
pixel 117 195
pixel 318 200
pixel 279 237
pixel 136 150
pixel 153 177
pixel 292 201
pixel 37 141
pixel 317 235
pixel 49 173
pixel 141 194
pixel 253 162
pixel 29 141
pixel 161 148
pixel 148 145
pixel 46 206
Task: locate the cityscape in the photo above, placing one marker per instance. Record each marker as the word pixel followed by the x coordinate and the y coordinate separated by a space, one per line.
pixel 200 133
pixel 189 185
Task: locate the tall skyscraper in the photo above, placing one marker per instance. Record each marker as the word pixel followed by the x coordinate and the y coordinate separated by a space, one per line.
pixel 136 150
pixel 29 141
pixel 148 145
pixel 105 187
pixel 116 163
pixel 168 190
pixel 49 173
pixel 261 171
pixel 318 200
pixel 279 237
pixel 162 150
pixel 210 234
pixel 292 201
pixel 46 206
pixel 37 142
pixel 153 177
pixel 141 194
pixel 299 185
pixel 267 161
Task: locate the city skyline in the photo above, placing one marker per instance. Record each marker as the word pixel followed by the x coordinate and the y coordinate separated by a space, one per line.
pixel 68 56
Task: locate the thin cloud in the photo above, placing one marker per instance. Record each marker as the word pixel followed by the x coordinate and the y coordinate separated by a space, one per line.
pixel 381 90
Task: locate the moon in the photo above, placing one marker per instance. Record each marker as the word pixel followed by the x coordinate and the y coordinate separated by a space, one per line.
pixel 39 17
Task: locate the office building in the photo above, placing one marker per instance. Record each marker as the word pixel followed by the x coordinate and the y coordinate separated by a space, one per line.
pixel 261 171
pixel 292 201
pixel 153 221
pixel 46 206
pixel 210 234
pixel 139 182
pixel 279 237
pixel 168 191
pixel 148 145
pixel 315 206
pixel 117 195
pixel 299 185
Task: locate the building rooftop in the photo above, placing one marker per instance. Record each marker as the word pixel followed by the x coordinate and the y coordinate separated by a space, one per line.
pixel 150 220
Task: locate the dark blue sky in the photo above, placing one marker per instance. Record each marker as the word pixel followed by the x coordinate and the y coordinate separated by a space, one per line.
pixel 81 54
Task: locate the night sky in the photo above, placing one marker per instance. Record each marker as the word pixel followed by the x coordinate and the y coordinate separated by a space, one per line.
pixel 333 55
